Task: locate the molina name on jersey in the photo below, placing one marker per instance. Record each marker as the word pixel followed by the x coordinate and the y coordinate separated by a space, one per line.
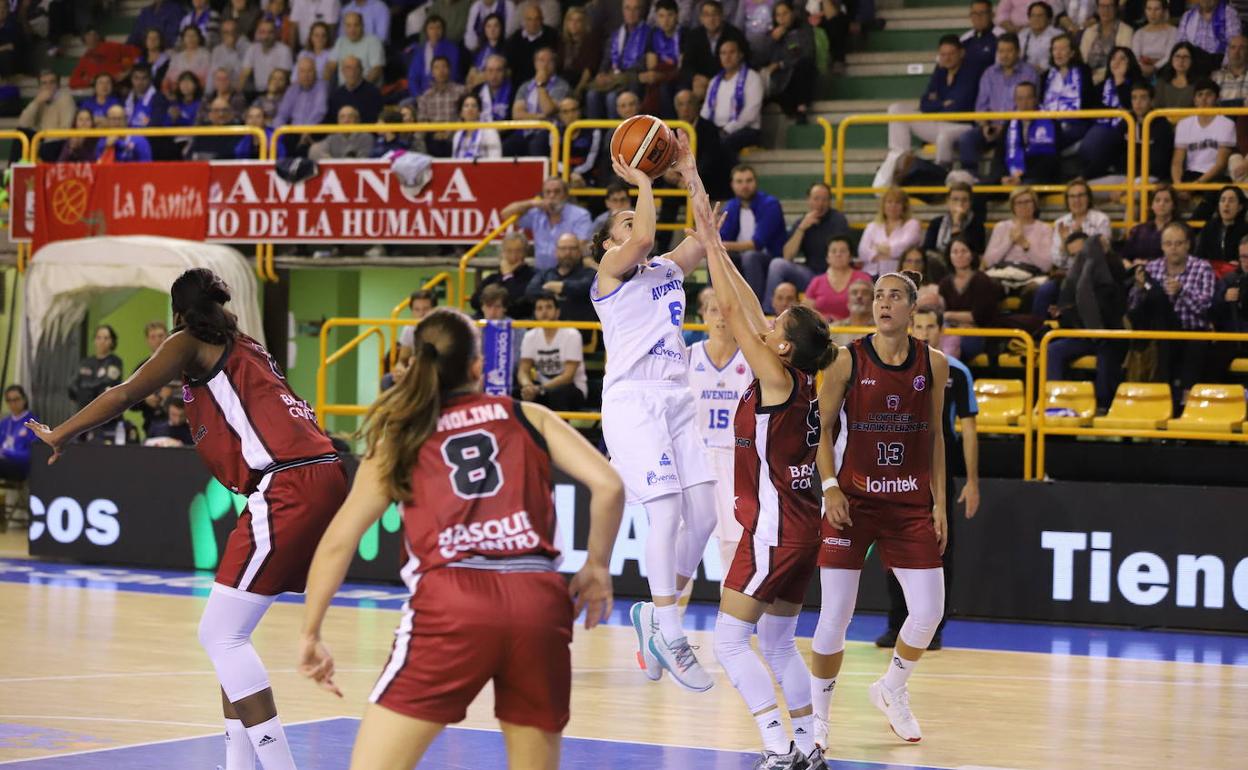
pixel 246 421
pixel 887 450
pixel 641 323
pixel 481 487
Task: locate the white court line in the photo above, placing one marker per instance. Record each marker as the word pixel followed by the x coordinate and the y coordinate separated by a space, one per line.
pixel 151 743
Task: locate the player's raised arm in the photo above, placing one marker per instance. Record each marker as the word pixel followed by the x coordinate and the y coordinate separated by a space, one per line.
pixel 171 359
pixel 572 454
pixel 364 505
pixel 622 258
pixel 690 252
pixel 831 398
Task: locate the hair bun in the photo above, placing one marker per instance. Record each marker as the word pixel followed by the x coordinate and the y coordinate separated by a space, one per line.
pixel 917 278
pixel 429 349
pixel 219 294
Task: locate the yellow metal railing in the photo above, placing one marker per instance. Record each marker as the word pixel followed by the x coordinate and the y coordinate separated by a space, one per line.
pixel 263 271
pixel 1043 429
pixel 324 408
pixel 24 142
pixel 1173 114
pixel 474 251
pixel 423 128
pixel 576 126
pixel 829 143
pixel 842 189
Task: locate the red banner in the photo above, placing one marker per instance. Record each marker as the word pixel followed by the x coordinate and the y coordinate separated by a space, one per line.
pixel 248 202
pixel 80 200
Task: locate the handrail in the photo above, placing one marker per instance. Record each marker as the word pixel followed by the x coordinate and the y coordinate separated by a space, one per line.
pixel 326 360
pixel 263 272
pixel 424 128
pixel 1146 132
pixel 1024 428
pixel 885 118
pixel 474 251
pixel 576 126
pixel 23 141
pixel 826 149
pixel 1043 429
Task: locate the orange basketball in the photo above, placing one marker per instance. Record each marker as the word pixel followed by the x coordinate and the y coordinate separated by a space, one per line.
pixel 646 143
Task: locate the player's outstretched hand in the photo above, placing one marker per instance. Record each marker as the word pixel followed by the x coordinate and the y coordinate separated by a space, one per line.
pixel 317 664
pixel 633 176
pixel 685 161
pixel 836 508
pixel 592 591
pixel 941 525
pixel 45 434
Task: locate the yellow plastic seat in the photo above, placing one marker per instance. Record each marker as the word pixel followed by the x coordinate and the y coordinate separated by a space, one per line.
pixel 1084 363
pixel 1212 409
pixel 1010 361
pixel 1239 366
pixel 980 361
pixel 1000 402
pixel 1069 404
pixel 1138 406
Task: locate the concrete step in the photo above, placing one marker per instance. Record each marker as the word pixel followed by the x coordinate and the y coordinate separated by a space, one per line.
pixel 893 87
pixel 906 67
pixel 954 14
pixel 919 40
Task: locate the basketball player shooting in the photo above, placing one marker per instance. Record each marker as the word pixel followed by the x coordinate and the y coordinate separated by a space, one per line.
pixel 648 413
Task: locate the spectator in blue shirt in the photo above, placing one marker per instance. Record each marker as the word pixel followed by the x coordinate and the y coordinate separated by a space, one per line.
pixel 996 94
pixel 952 88
pixel 979 41
pixel 549 217
pixel 753 230
pixel 420 73
pixel 163 15
pixel 121 149
pixel 15 437
pixel 146 107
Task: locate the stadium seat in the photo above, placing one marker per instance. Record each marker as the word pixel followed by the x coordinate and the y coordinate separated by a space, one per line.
pixel 1069 404
pixel 1084 363
pixel 1000 402
pixel 980 361
pixel 1239 366
pixel 1138 406
pixel 1212 409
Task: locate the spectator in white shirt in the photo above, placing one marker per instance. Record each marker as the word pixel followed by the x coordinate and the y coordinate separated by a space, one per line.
pixel 1035 39
pixel 1153 42
pixel 734 103
pixel 552 362
pixel 1202 148
pixel 892 233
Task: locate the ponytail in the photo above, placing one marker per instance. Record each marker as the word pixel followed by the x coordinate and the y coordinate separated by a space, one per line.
pixel 813 348
pixel 198 298
pixel 405 416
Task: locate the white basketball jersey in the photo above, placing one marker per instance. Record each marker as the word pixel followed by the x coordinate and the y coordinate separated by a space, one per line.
pixel 717 392
pixel 641 325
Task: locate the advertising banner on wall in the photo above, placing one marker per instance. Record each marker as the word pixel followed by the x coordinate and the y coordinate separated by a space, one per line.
pixel 1138 554
pixel 348 201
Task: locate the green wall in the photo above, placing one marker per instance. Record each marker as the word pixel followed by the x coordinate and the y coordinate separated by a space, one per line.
pixel 128 320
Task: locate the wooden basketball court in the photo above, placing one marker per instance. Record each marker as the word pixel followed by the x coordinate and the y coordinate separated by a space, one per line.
pixel 101 668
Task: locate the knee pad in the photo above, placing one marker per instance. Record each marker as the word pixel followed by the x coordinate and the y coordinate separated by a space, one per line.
pixel 732 637
pixel 839 593
pixel 924 590
pixel 225 634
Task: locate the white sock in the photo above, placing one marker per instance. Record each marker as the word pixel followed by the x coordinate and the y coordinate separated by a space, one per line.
pixel 804 732
pixel 821 691
pixel 269 740
pixel 898 672
pixel 668 618
pixel 239 755
pixel 775 737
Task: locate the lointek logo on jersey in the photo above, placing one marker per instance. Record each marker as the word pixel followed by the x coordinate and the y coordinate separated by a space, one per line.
pixel 65 520
pixel 886 486
pixel 1143 578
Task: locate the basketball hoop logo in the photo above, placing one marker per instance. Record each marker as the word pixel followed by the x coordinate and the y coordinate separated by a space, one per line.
pixel 69 201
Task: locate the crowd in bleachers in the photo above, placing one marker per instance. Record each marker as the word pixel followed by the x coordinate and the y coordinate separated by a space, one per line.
pixel 714 64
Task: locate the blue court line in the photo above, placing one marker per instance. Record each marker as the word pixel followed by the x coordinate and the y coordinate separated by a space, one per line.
pixel 326 745
pixel 1092 641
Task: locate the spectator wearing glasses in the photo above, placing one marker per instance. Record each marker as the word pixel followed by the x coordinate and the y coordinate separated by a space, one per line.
pixel 1036 38
pixel 1176 80
pixel 15 438
pixel 980 41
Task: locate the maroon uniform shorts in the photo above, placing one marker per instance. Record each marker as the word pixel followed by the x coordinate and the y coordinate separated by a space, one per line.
pixel 271 548
pixel 904 534
pixel 464 627
pixel 770 572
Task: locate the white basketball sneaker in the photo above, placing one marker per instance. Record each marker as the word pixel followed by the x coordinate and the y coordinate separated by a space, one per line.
pixel 677 657
pixel 896 706
pixel 644 623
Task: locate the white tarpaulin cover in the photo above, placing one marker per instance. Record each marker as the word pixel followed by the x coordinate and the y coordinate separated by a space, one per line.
pixel 65 276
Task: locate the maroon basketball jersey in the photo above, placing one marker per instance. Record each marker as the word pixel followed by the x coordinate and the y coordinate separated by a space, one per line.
pixel 481 487
pixel 887 453
pixel 245 419
pixel 777 484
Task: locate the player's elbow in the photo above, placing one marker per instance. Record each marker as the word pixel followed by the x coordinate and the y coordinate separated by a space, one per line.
pixel 609 488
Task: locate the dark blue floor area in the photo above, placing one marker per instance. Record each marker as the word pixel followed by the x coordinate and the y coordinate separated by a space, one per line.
pixel 326 745
pixel 1092 641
